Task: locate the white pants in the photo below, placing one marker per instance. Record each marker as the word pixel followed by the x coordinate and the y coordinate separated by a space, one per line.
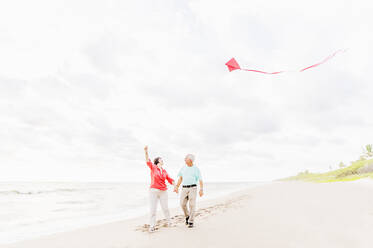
pixel 154 196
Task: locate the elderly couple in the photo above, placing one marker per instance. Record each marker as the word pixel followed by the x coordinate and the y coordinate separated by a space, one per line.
pixel 189 175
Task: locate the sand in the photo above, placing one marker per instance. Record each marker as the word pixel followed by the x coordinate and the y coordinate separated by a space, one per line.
pixel 281 214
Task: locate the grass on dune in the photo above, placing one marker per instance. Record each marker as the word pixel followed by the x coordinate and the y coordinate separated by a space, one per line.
pixel 349 173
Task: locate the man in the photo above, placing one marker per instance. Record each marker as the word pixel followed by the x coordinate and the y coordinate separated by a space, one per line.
pixel 190 176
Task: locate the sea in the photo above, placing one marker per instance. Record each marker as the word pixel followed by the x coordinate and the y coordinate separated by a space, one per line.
pixel 33 209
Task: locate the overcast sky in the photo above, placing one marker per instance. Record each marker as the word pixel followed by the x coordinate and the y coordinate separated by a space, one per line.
pixel 85 85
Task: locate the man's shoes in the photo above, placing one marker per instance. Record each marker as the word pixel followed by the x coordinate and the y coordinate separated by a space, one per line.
pixel 186 220
pixel 190 225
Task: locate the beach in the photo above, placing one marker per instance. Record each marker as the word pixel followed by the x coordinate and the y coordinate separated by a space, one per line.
pixel 31 210
pixel 280 214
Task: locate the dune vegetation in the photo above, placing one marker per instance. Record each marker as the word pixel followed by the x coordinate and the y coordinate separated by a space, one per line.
pixel 361 168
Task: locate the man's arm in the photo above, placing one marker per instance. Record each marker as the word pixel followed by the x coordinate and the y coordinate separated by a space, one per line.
pixel 176 189
pixel 200 183
pixel 200 188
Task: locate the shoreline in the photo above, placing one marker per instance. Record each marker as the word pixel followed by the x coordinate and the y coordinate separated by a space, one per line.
pixel 279 214
pixel 108 219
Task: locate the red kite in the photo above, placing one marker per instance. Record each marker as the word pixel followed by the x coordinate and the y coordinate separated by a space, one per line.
pixel 233 65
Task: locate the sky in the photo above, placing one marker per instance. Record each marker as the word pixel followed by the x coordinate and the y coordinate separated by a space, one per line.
pixel 85 85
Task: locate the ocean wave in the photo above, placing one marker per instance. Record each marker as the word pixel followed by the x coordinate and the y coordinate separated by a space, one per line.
pixel 35 192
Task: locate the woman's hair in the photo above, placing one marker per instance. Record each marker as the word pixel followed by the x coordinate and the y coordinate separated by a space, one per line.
pixel 156 160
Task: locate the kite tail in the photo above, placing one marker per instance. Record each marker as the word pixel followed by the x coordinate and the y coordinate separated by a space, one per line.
pixel 322 62
pixel 233 65
pixel 264 72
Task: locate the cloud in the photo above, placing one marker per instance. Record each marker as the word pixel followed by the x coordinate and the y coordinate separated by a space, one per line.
pixel 85 91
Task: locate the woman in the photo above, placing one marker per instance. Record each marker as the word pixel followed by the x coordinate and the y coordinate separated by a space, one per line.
pixel 158 189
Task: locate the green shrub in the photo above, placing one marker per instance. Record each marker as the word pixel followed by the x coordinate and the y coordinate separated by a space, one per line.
pixel 353 172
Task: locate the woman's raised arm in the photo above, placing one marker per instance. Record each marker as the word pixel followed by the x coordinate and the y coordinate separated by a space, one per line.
pixel 146 154
pixel 148 162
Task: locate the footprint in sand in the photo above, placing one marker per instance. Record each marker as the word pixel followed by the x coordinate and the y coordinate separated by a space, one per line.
pixel 203 213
